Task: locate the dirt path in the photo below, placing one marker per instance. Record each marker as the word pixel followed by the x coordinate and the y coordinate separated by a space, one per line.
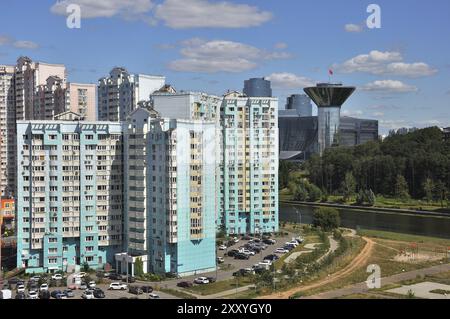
pixel 359 261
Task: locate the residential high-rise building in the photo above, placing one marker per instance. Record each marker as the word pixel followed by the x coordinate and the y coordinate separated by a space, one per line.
pixel 82 99
pixel 329 99
pixel 249 165
pixel 7 130
pixel 257 87
pixel 171 197
pixel 120 93
pixel 69 194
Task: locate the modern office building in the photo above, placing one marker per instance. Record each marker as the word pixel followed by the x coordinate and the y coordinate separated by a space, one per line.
pixel 69 194
pixel 298 105
pixel 329 99
pixel 120 93
pixel 257 87
pixel 7 130
pixel 171 194
pixel 355 131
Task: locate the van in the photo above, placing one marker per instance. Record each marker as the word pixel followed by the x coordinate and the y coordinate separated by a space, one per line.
pixel 5 294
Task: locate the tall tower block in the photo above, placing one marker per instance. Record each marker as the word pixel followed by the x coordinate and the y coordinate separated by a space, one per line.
pixel 329 99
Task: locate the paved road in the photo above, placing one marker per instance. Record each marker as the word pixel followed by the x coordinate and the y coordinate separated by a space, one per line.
pixel 362 287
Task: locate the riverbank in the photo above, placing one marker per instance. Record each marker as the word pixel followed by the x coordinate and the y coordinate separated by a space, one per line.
pixel 371 209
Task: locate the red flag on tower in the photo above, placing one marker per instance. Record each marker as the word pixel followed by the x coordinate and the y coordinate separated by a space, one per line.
pixel 330 71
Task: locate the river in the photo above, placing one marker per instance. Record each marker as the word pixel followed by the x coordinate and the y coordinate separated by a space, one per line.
pixel 361 219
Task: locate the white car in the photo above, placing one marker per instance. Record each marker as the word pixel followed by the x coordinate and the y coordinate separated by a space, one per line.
pixel 247 252
pixel 223 247
pixel 292 243
pixel 57 277
pixel 117 286
pixel 44 287
pixel 91 284
pixel 281 251
pixel 35 278
pixel 80 275
pixel 153 296
pixel 33 295
pixel 201 281
pixel 265 263
pixel 235 240
pixel 20 288
pixel 88 294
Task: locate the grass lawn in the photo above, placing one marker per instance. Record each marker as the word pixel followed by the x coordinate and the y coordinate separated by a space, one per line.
pixel 177 293
pixel 220 286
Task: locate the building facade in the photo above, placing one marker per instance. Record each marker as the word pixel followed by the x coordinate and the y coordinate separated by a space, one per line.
pixel 8 213
pixel 257 87
pixel 120 93
pixel 171 199
pixel 82 99
pixel 70 194
pixel 301 104
pixel 249 165
pixel 7 130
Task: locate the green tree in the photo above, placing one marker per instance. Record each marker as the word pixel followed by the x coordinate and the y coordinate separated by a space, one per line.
pixel 440 192
pixel 348 186
pixel 139 267
pixel 300 193
pixel 401 188
pixel 428 188
pixel 314 192
pixel 326 218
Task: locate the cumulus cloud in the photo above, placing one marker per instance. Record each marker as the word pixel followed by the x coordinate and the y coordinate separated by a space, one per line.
pixel 389 86
pixel 286 80
pixel 199 55
pixel 353 28
pixel 183 14
pixel 28 45
pixel 105 8
pixel 384 63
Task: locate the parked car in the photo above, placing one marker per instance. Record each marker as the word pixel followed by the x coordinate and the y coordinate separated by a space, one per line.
pixel 241 256
pixel 87 295
pixel 92 284
pixel 98 293
pixel 117 286
pixel 243 272
pixel 265 263
pixel 246 237
pixel 232 253
pixel 135 290
pixel 14 281
pixel 131 279
pixel 281 251
pixel 211 279
pixel 55 293
pixel 69 293
pixel 33 295
pixel 83 286
pixel 153 296
pixel 271 257
pixel 5 294
pixel 269 241
pixel 247 252
pixel 235 240
pixel 201 281
pixel 288 247
pixel 57 277
pixel 20 289
pixel 44 287
pixel 184 284
pixel 115 276
pixel 61 296
pixel 35 278
pixel 298 239
pixel 220 260
pixel 80 275
pixel 21 295
pixel 147 289
pixel 223 247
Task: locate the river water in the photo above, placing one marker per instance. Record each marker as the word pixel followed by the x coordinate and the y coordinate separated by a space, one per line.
pixel 361 219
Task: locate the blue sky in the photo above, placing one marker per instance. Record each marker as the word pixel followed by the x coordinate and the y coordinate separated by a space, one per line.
pixel 402 70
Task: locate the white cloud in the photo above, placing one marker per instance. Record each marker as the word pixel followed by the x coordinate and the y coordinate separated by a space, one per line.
pixel 389 86
pixel 383 63
pixel 182 14
pixel 353 28
pixel 378 114
pixel 105 8
pixel 4 39
pixel 352 113
pixel 28 45
pixel 289 81
pixel 281 45
pixel 220 56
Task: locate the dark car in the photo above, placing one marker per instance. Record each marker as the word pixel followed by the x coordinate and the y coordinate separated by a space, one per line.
pixel 184 284
pixel 115 277
pixel 135 290
pixel 130 279
pixel 288 247
pixel 147 289
pixel 211 279
pixel 239 273
pixel 21 295
pixel 232 253
pixel 271 257
pixel 69 293
pixel 246 237
pixel 268 242
pixel 241 256
pixel 55 293
pixel 14 281
pixel 259 270
pixel 45 294
pixel 98 293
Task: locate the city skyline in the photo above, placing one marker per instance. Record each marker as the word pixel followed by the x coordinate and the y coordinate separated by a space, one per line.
pixel 401 72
